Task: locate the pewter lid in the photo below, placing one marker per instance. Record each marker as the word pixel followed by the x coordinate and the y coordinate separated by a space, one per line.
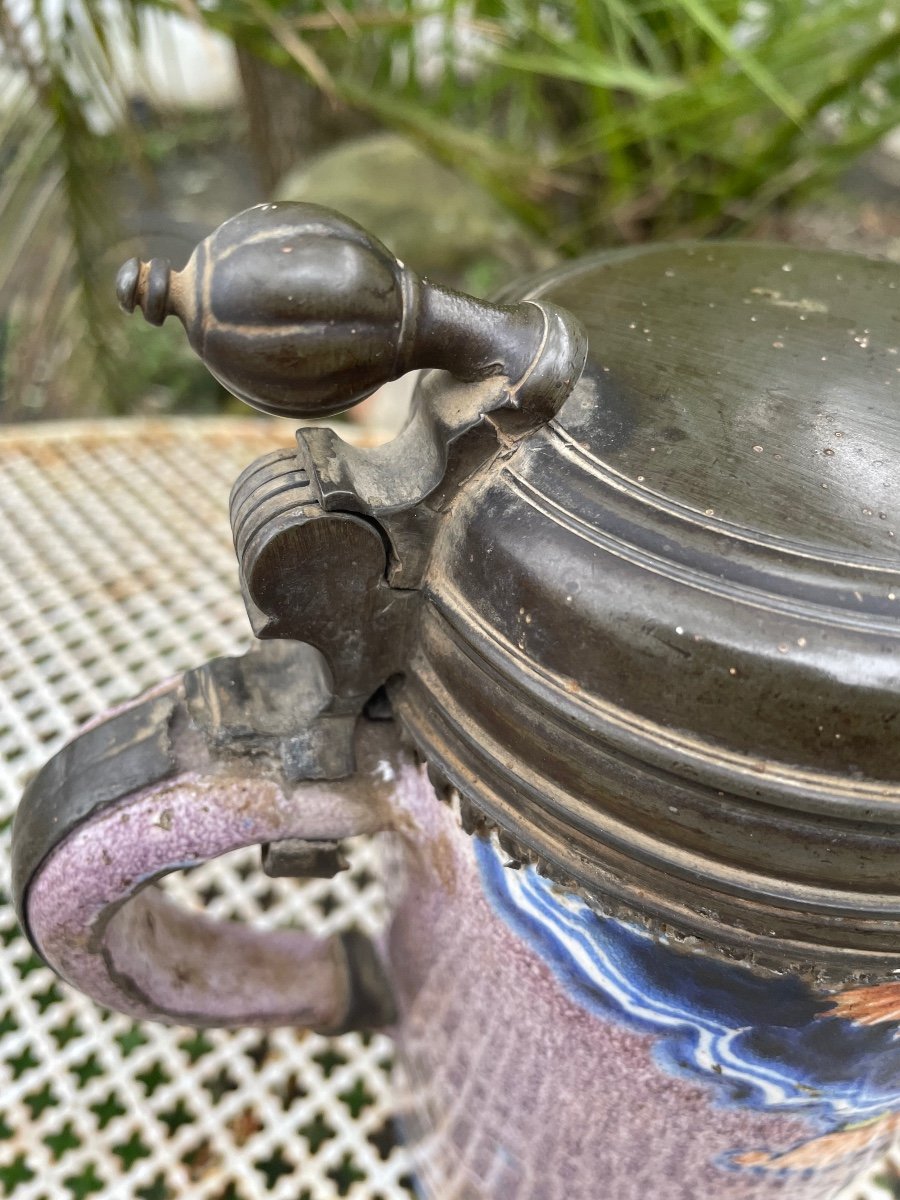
pixel 647 628
pixel 657 651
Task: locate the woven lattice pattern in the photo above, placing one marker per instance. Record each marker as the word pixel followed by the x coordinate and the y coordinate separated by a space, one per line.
pixel 117 570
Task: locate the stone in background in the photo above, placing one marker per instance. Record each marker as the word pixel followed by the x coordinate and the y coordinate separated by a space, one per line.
pixel 441 223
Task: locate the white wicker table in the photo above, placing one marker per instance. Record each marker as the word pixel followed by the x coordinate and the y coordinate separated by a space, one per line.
pixel 117 570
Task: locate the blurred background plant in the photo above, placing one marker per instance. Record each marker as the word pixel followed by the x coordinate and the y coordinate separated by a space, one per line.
pixel 522 131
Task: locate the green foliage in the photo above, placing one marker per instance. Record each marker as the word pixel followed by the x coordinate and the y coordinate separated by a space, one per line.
pixel 51 219
pixel 611 120
pixel 594 121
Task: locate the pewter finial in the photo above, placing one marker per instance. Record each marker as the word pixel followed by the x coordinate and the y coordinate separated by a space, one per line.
pixel 145 286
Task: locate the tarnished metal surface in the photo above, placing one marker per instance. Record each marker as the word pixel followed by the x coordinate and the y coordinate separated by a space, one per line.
pixel 661 645
pixel 118 571
pixel 642 615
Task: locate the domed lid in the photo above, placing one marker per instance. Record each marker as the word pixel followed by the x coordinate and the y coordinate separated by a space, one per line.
pixel 645 623
pixel 730 462
pixel 661 644
pixel 755 388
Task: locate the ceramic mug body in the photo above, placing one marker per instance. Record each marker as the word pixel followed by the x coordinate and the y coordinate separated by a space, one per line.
pixel 591 574
pixel 551 1051
pixel 554 1053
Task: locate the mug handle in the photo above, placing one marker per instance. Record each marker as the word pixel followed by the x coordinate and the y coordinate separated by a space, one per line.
pixel 236 753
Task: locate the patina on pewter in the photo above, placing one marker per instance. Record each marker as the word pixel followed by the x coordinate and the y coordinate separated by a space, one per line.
pixel 659 629
pixel 639 620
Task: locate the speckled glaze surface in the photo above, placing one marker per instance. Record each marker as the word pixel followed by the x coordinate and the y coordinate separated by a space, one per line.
pixel 551 1051
pixel 97 917
pixel 556 1054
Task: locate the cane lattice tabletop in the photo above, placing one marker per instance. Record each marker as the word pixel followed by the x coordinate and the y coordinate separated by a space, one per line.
pixel 116 570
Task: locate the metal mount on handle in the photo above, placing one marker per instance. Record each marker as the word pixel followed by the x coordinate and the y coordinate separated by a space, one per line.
pixel 230 755
pixel 301 313
pixel 298 311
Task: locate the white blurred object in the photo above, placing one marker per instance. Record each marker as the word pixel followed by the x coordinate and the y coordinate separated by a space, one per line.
pixel 891 144
pixel 180 63
pixel 183 64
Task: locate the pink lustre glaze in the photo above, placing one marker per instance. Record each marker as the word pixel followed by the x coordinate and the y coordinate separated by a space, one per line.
pixel 552 1053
